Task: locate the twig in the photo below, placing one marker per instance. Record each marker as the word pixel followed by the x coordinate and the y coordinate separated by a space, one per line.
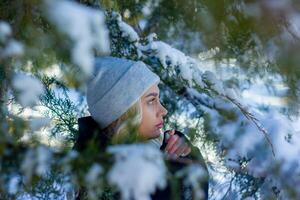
pixel 251 117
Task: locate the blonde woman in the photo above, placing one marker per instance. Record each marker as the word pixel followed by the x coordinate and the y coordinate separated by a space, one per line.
pixel 123 100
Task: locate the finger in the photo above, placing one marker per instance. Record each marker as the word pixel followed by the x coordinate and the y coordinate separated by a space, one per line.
pixel 171 132
pixel 183 148
pixel 180 151
pixel 172 140
pixel 167 135
pixel 177 146
pixel 187 151
pixel 171 156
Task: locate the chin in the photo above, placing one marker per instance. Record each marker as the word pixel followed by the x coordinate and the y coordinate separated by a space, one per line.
pixel 155 134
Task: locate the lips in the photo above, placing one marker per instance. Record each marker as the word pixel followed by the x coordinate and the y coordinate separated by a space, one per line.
pixel 160 125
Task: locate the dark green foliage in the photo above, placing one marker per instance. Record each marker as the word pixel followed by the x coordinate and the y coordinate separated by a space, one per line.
pixel 61 109
pixel 120 46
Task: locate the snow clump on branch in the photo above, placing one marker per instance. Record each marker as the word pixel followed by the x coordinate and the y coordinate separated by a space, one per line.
pixel 84 26
pixel 138 170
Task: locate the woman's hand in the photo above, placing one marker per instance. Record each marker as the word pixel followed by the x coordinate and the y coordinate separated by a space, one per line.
pixel 176 145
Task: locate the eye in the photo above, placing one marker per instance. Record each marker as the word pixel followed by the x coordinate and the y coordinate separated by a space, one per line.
pixel 151 101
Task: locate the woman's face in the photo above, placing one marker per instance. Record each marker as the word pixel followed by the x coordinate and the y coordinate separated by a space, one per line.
pixel 152 114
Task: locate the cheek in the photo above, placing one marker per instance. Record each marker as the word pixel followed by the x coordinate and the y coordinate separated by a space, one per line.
pixel 148 120
pixel 148 117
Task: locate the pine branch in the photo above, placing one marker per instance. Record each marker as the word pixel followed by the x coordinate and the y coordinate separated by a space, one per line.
pixel 60 108
pixel 254 120
pixel 171 75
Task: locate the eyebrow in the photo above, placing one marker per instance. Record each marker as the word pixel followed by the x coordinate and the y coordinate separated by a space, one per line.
pixel 152 94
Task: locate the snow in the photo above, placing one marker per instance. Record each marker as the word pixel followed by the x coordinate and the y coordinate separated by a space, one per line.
pixel 248 140
pixel 149 7
pixel 193 175
pixel 5 31
pixel 28 165
pixel 211 80
pixel 143 24
pixel 208 54
pixel 84 26
pixel 13 185
pixel 189 68
pixel 166 54
pixel 36 161
pixel 138 170
pixel 93 174
pixel 232 164
pixel 36 123
pixel 13 48
pixel 231 92
pixel 241 137
pixel 170 57
pixel 197 76
pixel 43 159
pixel 286 150
pixel 257 167
pixel 28 87
pixel 294 23
pixel 127 31
pixel 93 181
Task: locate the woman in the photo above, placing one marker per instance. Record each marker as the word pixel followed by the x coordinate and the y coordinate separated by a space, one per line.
pixel 123 99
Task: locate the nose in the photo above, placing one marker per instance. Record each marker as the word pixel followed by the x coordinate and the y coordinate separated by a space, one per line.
pixel 162 111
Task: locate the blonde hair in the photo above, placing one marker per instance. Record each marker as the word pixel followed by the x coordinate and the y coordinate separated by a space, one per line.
pixel 126 126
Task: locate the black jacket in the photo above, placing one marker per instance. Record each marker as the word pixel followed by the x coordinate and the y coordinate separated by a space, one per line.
pixel 90 130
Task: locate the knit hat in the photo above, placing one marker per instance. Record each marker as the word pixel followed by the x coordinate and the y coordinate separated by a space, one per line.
pixel 115 86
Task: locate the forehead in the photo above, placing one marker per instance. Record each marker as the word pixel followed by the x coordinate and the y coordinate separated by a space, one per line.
pixel 153 89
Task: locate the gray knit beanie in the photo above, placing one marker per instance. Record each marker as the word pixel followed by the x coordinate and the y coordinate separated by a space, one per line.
pixel 115 86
